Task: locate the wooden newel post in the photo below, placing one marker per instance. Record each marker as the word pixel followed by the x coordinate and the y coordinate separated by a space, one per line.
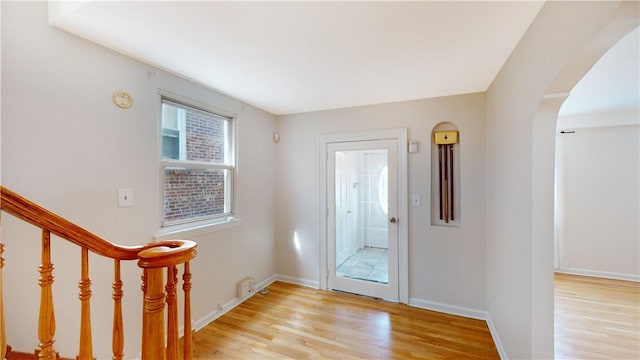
pixel 143 287
pixel 153 319
pixel 159 256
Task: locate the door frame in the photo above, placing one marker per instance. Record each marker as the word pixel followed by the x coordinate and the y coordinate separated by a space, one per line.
pixel 400 135
pixel 390 290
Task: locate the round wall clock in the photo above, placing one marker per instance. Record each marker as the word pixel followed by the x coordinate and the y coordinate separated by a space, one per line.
pixel 122 99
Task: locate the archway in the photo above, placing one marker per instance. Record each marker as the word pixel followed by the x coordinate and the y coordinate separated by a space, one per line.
pixel 544 133
pixel 564 41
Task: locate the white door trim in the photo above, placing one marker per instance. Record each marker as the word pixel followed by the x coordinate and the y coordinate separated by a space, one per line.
pixel 400 135
pixel 389 290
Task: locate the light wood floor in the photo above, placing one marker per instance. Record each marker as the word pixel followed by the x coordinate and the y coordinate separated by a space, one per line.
pixel 301 323
pixel 596 318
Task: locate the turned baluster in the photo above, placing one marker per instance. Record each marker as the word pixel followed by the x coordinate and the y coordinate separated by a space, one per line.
pixel 187 343
pixel 153 260
pixel 46 320
pixel 153 315
pixel 3 336
pixel 117 343
pixel 86 345
pixel 172 314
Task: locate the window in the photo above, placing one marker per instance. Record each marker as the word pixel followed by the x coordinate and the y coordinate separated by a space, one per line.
pixel 198 164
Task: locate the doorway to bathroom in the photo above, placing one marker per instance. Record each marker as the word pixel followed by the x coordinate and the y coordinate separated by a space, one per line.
pixel 362 232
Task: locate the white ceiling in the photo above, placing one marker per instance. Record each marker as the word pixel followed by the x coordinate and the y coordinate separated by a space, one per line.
pixel 612 84
pixel 290 57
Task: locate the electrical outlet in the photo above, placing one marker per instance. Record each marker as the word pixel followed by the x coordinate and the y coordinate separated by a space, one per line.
pixel 219 307
pixel 493 301
pixel 246 287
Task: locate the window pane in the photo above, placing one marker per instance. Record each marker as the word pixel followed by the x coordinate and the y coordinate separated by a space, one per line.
pixel 173 133
pixel 194 193
pixel 170 144
pixel 198 135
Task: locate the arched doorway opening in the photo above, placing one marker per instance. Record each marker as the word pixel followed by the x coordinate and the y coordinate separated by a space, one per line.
pixel 543 158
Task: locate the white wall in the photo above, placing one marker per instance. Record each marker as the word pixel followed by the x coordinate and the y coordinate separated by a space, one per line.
pixel 542 223
pixel 599 176
pixel 67 147
pixel 518 262
pixel 599 120
pixel 446 265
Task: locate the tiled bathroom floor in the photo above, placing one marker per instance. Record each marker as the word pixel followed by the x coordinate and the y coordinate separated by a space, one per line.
pixel 368 263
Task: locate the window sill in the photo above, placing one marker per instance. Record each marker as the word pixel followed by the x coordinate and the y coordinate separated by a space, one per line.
pixel 196 228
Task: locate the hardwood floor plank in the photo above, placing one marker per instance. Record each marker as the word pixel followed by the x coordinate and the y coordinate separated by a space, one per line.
pixel 596 318
pixel 294 322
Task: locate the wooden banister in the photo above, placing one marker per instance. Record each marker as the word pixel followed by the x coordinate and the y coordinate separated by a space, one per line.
pixel 172 313
pixel 153 258
pixel 187 344
pixel 153 319
pixel 85 350
pixel 36 215
pixel 46 320
pixel 117 341
pixel 167 254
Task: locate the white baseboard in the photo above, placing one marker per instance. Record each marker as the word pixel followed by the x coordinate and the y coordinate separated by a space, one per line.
pixel 600 274
pixel 204 321
pixel 207 319
pixel 465 312
pixel 297 281
pixel 448 309
pixel 268 281
pixel 496 338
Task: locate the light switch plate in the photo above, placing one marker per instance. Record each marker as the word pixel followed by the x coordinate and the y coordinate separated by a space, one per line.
pixel 413 146
pixel 125 197
pixel 415 200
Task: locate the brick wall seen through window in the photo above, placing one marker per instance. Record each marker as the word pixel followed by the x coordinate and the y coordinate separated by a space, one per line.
pixel 194 192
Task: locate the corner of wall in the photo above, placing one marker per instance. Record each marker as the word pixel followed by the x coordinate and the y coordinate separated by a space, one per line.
pixel 496 338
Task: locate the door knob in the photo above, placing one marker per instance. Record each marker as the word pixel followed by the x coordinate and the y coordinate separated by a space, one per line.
pixel 393 220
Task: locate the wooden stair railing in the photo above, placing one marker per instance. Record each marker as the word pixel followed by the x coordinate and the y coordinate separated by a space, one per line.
pixel 153 258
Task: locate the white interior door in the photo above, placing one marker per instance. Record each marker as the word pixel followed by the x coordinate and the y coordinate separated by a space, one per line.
pixel 346 244
pixel 362 218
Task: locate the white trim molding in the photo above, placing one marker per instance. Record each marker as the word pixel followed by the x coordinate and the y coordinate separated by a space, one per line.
pixel 464 312
pixel 298 281
pixel 196 228
pixel 210 317
pixel 448 309
pixel 496 338
pixel 600 274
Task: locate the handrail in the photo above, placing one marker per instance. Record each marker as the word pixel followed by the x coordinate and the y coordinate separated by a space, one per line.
pixel 153 258
pixel 35 214
pixel 167 253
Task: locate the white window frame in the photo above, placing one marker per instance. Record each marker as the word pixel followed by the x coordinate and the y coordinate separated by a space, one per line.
pixel 200 225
